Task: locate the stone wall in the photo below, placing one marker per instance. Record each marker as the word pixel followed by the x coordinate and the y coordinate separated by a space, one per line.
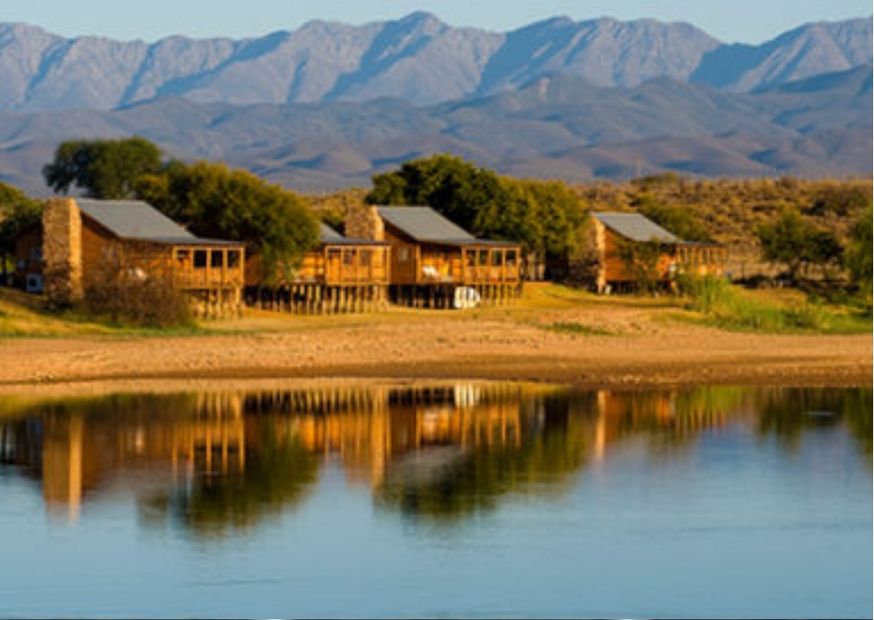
pixel 363 222
pixel 62 251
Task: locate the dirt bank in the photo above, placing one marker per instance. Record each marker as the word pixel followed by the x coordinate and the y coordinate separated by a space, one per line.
pixel 643 350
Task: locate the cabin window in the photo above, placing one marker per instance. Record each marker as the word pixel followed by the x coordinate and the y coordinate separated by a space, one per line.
pixel 404 254
pixel 471 258
pixel 496 258
pixel 483 257
pixel 182 256
pixel 364 258
pixel 199 259
pixel 348 258
pixel 217 259
pixel 511 258
pixel 233 258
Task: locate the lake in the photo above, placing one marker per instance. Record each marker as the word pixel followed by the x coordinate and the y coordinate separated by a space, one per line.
pixel 471 499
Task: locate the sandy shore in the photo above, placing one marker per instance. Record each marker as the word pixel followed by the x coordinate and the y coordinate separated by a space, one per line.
pixel 644 350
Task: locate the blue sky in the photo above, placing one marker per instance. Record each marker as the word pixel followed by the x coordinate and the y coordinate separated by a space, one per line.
pixel 748 21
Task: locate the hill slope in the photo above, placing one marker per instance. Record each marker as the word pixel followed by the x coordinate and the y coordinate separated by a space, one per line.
pixel 555 126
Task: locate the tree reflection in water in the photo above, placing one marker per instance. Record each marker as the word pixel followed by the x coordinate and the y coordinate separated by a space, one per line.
pixel 788 413
pixel 277 475
pixel 556 441
pixel 218 462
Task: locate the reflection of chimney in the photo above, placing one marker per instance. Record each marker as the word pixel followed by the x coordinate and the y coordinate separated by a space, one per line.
pixel 363 222
pixel 62 250
pixel 62 464
pixel 380 446
pixel 601 426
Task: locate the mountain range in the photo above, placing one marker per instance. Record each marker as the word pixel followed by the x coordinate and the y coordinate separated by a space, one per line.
pixel 329 104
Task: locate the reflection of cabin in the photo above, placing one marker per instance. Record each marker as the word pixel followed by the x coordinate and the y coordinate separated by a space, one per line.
pixel 340 275
pixel 82 243
pixel 431 257
pixel 619 239
pixel 75 454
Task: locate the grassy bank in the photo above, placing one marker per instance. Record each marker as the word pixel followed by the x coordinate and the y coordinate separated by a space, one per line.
pixel 22 315
pixel 546 306
pixel 720 304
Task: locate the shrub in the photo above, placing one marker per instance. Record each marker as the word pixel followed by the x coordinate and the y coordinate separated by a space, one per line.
pixel 124 295
pixel 726 306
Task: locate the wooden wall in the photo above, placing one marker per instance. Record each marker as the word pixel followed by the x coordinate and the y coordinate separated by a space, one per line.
pixel 697 259
pixel 427 263
pixel 332 265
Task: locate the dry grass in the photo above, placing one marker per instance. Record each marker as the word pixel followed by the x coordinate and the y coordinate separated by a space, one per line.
pixel 22 315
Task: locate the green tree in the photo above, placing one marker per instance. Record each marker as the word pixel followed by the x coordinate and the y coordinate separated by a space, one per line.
pixel 457 189
pixel 106 169
pixel 215 201
pixel 858 254
pixel 796 243
pixel 17 213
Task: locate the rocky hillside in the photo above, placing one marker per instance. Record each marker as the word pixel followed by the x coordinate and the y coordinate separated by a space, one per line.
pixel 556 126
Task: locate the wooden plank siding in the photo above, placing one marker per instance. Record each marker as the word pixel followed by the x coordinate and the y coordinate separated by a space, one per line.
pixel 345 264
pixel 414 263
pixel 189 266
pixel 207 267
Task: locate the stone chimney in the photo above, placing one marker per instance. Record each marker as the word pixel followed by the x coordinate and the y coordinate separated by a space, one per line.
pixel 62 251
pixel 363 222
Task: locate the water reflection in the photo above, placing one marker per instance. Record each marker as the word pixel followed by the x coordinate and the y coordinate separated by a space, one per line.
pixel 219 462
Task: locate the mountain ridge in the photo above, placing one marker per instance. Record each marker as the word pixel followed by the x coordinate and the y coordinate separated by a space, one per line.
pixel 417 57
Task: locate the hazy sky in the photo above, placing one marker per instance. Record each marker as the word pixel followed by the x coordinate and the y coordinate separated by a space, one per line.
pixel 749 21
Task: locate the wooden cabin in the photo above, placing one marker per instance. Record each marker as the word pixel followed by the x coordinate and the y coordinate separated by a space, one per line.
pixel 341 275
pixel 431 257
pixel 80 243
pixel 615 233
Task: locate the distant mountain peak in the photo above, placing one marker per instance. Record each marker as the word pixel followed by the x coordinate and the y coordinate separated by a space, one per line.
pixel 416 57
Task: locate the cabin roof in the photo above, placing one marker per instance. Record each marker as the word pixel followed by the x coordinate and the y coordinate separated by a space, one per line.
pixel 425 224
pixel 134 219
pixel 140 221
pixel 329 235
pixel 635 227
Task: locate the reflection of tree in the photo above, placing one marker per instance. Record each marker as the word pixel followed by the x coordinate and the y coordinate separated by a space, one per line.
pixel 788 413
pixel 279 472
pixel 548 454
pixel 670 421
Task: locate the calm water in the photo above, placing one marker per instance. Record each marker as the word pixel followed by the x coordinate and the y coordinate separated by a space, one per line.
pixel 493 500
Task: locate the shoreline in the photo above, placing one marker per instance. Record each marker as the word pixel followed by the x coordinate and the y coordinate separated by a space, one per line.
pixel 554 336
pixel 600 363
